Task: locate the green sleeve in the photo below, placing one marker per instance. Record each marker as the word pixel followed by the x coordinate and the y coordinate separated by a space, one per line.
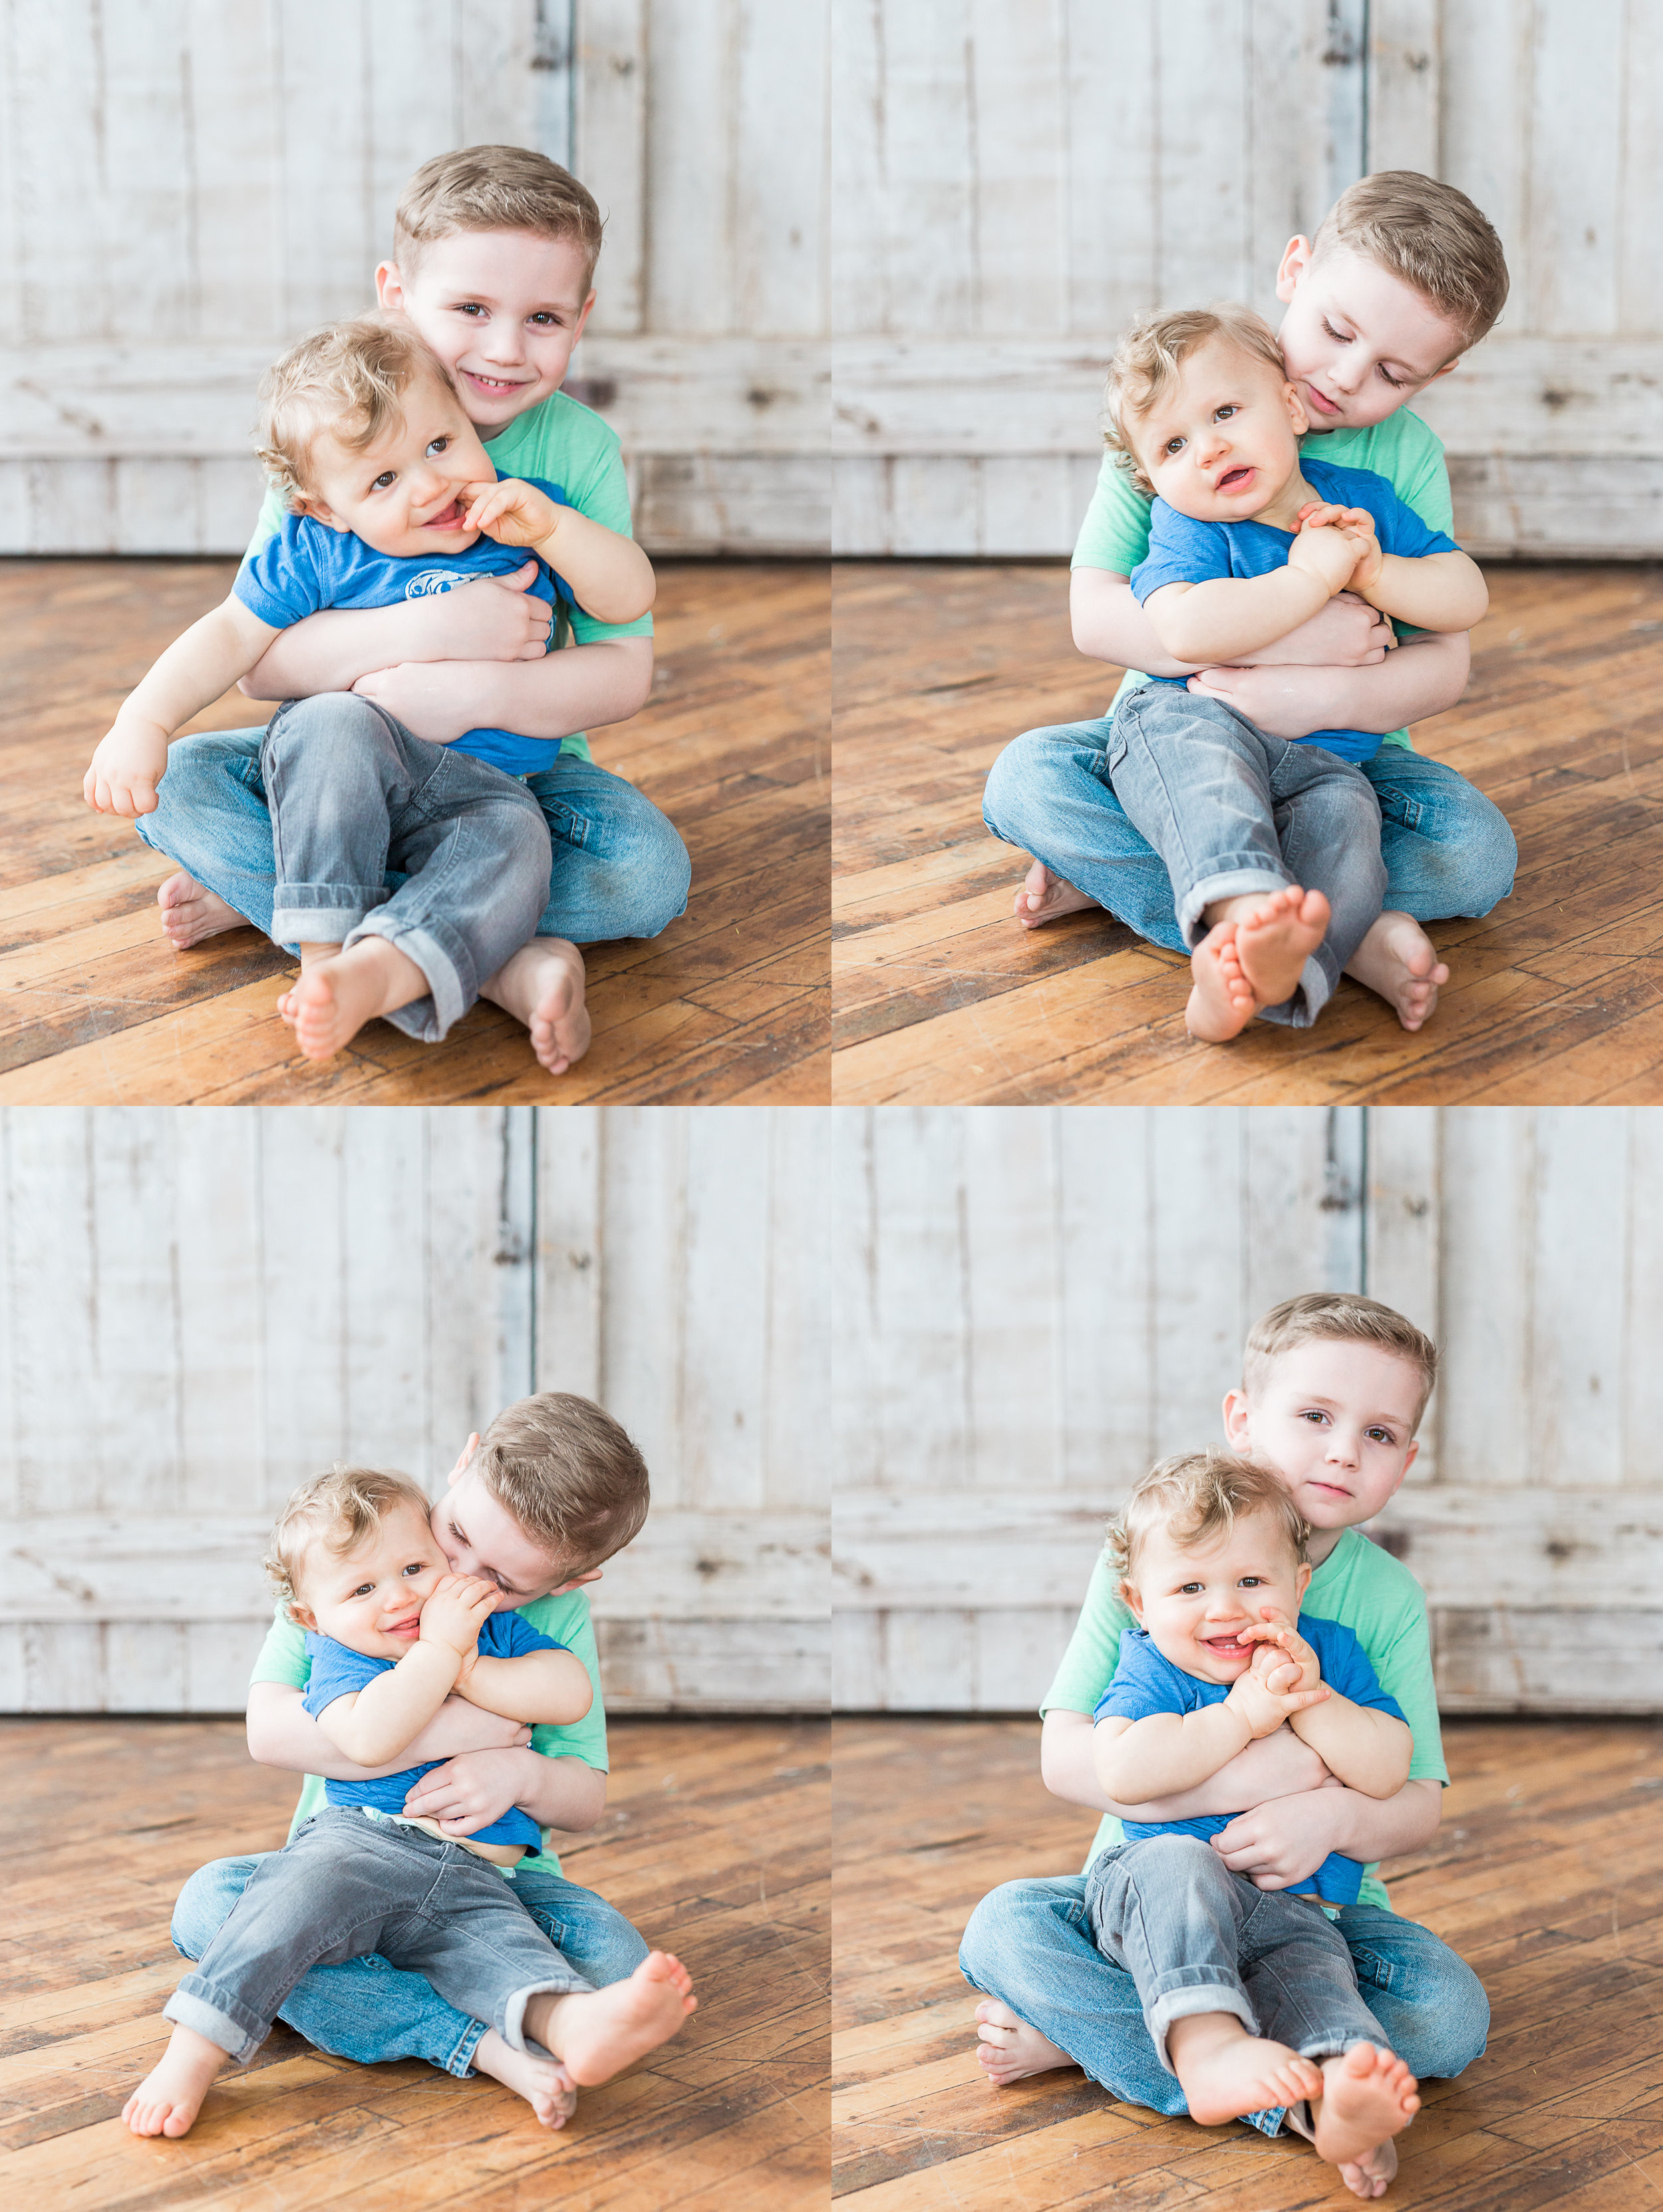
pixel 271 521
pixel 282 1655
pixel 1115 533
pixel 1404 1669
pixel 564 443
pixel 567 1619
pixel 1422 478
pixel 1087 1666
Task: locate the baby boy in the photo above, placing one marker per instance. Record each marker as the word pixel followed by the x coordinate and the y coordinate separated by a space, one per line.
pixel 1273 847
pixel 1250 1995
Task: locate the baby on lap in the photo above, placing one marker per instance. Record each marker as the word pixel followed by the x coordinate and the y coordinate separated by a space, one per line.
pixel 1249 1995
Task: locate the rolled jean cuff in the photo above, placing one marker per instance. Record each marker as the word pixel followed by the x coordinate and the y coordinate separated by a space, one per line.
pixel 213 2011
pixel 514 2021
pixel 1311 994
pixel 1187 1990
pixel 322 914
pixel 450 994
pixel 461 2060
pixel 1238 881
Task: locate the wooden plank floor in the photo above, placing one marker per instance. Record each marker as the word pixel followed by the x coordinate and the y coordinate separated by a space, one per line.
pixel 1547 1876
pixel 713 1843
pixel 1557 997
pixel 730 1004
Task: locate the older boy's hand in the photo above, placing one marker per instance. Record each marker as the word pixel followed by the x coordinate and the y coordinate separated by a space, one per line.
pixel 1285 1840
pixel 471 1790
pixel 492 618
pixel 456 1609
pixel 130 763
pixel 438 699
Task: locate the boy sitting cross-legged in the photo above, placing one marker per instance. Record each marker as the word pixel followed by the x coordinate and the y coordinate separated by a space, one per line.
pixel 392 1634
pixel 492 263
pixel 1249 1995
pixel 556 1488
pixel 1333 1388
pixel 1272 849
pixel 390 497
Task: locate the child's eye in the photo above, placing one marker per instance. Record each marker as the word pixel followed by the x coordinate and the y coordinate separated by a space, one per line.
pixel 1223 414
pixel 1380 1436
pixel 1188 1589
pixel 1397 383
pixel 438 446
pixel 543 317
pixel 469 307
pixel 1313 1414
pixel 1251 1582
pixel 1334 334
pixel 386 477
pixel 1172 445
pixel 363 1589
pixel 417 1567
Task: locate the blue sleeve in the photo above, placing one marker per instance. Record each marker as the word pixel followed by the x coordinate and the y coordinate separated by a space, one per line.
pixel 1181 552
pixel 1142 1683
pixel 1398 526
pixel 508 1635
pixel 282 583
pixel 335 1673
pixel 1346 1668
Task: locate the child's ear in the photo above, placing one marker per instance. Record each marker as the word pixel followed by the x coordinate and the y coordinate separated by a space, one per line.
pixel 1238 1418
pixel 1301 1582
pixel 319 513
pixel 1295 260
pixel 302 1616
pixel 1134 1600
pixel 1295 407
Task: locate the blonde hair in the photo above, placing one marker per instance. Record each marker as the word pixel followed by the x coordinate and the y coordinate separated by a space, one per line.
pixel 1196 1496
pixel 1147 361
pixel 1336 1317
pixel 1428 235
pixel 494 188
pixel 348 379
pixel 338 1511
pixel 568 1474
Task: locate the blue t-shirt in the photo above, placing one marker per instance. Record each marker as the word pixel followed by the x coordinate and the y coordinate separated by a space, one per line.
pixel 337 1673
pixel 308 566
pixel 1184 551
pixel 1146 1682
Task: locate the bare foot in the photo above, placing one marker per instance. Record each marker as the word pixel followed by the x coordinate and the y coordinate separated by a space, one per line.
pixel 1045 897
pixel 337 994
pixel 598 2033
pixel 1366 2096
pixel 1226 2072
pixel 1220 1001
pixel 1008 2050
pixel 1399 964
pixel 191 912
pixel 1274 940
pixel 543 2082
pixel 170 2096
pixel 542 985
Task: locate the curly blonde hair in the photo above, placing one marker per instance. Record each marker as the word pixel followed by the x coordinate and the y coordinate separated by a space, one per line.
pixel 348 379
pixel 337 1510
pixel 1199 1496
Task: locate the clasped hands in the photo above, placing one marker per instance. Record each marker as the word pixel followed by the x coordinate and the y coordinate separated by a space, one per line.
pixel 1338 546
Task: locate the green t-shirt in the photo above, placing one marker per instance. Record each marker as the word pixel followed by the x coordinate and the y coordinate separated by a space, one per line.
pixel 566 1618
pixel 563 442
pixel 1115 533
pixel 1360 1586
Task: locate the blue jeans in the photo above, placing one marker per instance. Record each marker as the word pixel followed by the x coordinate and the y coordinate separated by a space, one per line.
pixel 620 869
pixel 1448 849
pixel 1031 1944
pixel 368 2010
pixel 1230 811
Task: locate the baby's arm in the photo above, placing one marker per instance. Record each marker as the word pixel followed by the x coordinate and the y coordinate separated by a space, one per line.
pixel 609 575
pixel 1275 1765
pixel 1137 1760
pixel 547 1686
pixel 1217 620
pixel 281 1733
pixel 1369 1751
pixel 380 1721
pixel 1440 592
pixel 132 756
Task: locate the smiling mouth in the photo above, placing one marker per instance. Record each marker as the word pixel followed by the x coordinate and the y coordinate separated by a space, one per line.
pixel 492 383
pixel 411 1627
pixel 1227 1647
pixel 450 519
pixel 1234 479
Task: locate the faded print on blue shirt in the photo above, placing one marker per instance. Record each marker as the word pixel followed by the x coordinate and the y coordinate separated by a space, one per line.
pixel 1146 1682
pixel 308 566
pixel 1184 551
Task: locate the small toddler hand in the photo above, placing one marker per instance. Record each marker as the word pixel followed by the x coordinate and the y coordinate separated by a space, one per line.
pixel 1280 1645
pixel 1264 1709
pixel 1326 552
pixel 456 1609
pixel 130 763
pixel 513 512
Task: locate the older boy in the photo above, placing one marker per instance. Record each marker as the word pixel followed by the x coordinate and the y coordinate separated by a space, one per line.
pixel 554 1490
pixel 1333 1389
pixel 1403 275
pixel 493 254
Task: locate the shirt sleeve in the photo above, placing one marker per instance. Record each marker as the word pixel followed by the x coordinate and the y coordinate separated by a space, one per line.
pixel 1345 1668
pixel 1404 1670
pixel 1115 533
pixel 281 583
pixel 283 1655
pixel 337 1673
pixel 1142 1685
pixel 1421 476
pixel 1087 1666
pixel 1181 552
pixel 513 1635
pixel 1403 532
pixel 585 1739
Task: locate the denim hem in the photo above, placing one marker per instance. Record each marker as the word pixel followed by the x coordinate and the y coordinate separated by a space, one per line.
pixel 513 2019
pixel 428 1020
pixel 460 2062
pixel 1203 1989
pixel 1231 881
pixel 219 2016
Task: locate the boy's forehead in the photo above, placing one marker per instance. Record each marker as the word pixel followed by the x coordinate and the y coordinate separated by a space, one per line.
pixel 1349 1365
pixel 1383 310
pixel 518 267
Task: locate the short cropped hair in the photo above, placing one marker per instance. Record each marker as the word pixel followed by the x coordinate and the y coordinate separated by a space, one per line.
pixel 337 1510
pixel 348 379
pixel 494 188
pixel 1200 1496
pixel 568 1474
pixel 1147 361
pixel 1336 1317
pixel 1429 236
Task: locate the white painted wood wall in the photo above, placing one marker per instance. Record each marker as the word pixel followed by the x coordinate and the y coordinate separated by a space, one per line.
pixel 198 1308
pixel 1035 1304
pixel 1015 184
pixel 185 189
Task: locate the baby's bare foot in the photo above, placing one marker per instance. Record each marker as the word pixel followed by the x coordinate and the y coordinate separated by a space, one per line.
pixel 543 2082
pixel 1226 2072
pixel 542 985
pixel 191 912
pixel 598 2032
pixel 1220 1001
pixel 1399 964
pixel 1275 939
pixel 1373 2173
pixel 1008 2050
pixel 170 2096
pixel 338 993
pixel 1046 898
pixel 1366 2096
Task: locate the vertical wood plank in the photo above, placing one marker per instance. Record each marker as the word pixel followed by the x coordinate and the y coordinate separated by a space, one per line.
pixel 1405 1232
pixel 920 1402
pixel 54 1271
pixel 137 1344
pixel 726 1294
pixel 610 150
pixel 1642 1410
pixel 776 153
pixel 1485 1431
pixel 1013 1361
pixel 1576 1341
pixel 571 1249
pixel 690 182
pixel 388 1255
pixel 643 1360
pixel 928 244
pixel 856 1328
pixel 1108 1319
pixel 1576 142
pixel 800 1462
pixel 306 1335
pixel 1405 85
pixel 1019 100
pixel 1110 207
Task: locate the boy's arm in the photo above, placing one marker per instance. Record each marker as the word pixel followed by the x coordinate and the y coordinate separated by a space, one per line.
pixel 1275 1765
pixel 609 574
pixel 1222 616
pixel 1441 590
pixel 1368 1748
pixel 492 618
pixel 132 756
pixel 281 1733
pixel 1423 677
pixel 1286 1839
pixel 470 1792
pixel 1108 624
pixel 1136 1759
pixel 547 1686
